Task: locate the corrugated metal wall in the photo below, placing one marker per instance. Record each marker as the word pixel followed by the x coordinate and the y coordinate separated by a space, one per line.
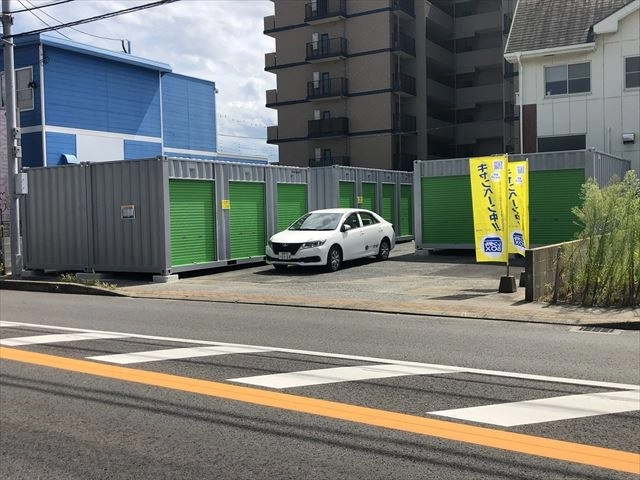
pixel 594 164
pixel 57 219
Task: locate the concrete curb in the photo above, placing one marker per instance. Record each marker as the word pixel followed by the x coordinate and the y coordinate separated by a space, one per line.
pixel 421 310
pixel 57 287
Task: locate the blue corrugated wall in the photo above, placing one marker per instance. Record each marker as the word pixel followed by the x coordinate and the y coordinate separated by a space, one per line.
pixel 93 93
pixel 57 144
pixel 188 113
pixel 136 149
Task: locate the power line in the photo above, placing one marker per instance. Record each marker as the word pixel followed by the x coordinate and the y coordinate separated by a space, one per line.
pixel 40 7
pixel 92 19
pixel 31 11
pixel 72 28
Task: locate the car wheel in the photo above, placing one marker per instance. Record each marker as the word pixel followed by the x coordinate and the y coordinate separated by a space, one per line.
pixel 280 268
pixel 385 248
pixel 334 259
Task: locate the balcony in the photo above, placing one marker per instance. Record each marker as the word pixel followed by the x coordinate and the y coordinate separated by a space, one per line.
pixel 470 97
pixel 482 22
pixel 322 11
pixel 404 85
pixel 272 134
pixel 327 89
pixel 272 98
pixel 270 61
pixel 469 62
pixel 404 161
pixel 269 24
pixel 404 124
pixel 329 127
pixel 330 160
pixel 327 50
pixel 403 8
pixel 403 45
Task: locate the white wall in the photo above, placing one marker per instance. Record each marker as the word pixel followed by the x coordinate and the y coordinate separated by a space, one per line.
pixel 609 107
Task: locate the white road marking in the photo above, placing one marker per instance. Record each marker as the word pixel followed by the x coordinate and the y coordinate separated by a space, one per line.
pixel 548 409
pixel 340 374
pixel 357 358
pixel 58 337
pixel 174 354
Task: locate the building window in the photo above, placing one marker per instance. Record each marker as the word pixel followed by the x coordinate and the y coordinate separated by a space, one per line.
pixel 24 88
pixel 563 79
pixel 632 72
pixel 562 143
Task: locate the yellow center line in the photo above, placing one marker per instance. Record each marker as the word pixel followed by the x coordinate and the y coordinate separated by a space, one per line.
pixel 487 437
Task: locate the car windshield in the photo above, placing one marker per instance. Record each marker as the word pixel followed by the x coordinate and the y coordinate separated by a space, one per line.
pixel 317 221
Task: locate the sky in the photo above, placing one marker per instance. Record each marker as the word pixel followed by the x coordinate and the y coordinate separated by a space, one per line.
pixel 216 40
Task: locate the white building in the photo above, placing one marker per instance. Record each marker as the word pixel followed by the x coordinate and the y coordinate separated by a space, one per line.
pixel 579 75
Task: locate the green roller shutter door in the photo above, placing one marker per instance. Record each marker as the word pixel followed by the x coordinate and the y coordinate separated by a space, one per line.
pixel 368 196
pixel 388 203
pixel 247 219
pixel 552 195
pixel 406 211
pixel 192 219
pixel 447 215
pixel 292 203
pixel 347 194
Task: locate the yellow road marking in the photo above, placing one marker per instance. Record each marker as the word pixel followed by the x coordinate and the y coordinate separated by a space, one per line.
pixel 487 437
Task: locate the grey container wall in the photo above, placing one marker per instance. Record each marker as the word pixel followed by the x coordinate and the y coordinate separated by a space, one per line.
pixel 56 228
pixel 582 164
pixel 74 217
pixel 324 189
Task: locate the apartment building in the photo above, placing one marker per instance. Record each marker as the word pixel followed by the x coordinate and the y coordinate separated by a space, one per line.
pixel 381 83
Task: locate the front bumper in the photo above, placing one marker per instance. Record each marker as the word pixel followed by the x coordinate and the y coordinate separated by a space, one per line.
pixel 306 257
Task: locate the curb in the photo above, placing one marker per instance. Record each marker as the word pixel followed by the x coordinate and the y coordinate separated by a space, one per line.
pixel 79 289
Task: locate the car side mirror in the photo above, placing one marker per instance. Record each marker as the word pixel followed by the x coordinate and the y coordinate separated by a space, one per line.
pixel 345 228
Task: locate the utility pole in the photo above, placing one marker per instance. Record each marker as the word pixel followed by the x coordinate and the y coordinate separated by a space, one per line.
pixel 13 140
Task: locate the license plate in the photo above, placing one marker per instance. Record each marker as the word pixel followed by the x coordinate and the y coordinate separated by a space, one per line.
pixel 284 256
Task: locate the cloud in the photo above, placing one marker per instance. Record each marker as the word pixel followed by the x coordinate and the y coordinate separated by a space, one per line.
pixel 216 40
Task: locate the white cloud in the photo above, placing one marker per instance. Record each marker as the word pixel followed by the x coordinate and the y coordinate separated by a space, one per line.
pixel 216 40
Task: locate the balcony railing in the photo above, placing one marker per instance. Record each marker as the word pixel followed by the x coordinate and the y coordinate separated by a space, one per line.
pixel 404 6
pixel 272 134
pixel 404 124
pixel 403 83
pixel 325 10
pixel 330 160
pixel 269 24
pixel 329 127
pixel 403 44
pixel 327 49
pixel 327 88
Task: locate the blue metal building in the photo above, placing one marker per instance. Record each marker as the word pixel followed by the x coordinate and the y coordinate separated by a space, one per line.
pixel 84 104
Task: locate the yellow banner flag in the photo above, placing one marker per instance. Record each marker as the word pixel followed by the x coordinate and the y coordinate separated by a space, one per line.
pixel 518 205
pixel 489 198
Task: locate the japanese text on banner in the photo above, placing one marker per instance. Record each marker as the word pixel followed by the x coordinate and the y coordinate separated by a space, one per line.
pixel 518 205
pixel 489 198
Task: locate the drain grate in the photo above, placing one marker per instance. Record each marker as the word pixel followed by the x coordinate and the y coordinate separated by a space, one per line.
pixel 594 330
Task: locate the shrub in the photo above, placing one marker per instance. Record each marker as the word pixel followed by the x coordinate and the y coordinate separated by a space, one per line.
pixel 603 267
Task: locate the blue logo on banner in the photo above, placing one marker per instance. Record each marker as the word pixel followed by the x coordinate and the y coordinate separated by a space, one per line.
pixel 492 245
pixel 518 240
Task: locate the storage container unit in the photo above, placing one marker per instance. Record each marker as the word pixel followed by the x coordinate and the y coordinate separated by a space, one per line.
pixel 387 192
pixel 443 211
pixel 157 215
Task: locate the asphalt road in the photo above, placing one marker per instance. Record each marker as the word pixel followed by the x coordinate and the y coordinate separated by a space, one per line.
pixel 59 423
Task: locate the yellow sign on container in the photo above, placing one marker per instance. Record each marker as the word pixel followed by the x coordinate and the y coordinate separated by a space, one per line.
pixel 489 197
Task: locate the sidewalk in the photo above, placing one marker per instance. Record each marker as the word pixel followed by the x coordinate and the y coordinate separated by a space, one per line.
pixel 409 283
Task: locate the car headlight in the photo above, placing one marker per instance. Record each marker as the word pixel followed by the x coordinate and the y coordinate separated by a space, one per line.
pixel 270 243
pixel 314 244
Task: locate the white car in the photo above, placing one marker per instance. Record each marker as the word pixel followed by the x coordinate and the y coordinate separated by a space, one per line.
pixel 329 237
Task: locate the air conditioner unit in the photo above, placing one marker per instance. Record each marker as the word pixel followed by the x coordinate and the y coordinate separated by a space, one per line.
pixel 628 137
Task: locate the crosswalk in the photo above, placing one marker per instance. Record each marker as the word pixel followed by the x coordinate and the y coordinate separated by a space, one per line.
pixel 619 398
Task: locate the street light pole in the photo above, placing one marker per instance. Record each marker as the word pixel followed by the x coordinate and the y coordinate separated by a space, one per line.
pixel 13 140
